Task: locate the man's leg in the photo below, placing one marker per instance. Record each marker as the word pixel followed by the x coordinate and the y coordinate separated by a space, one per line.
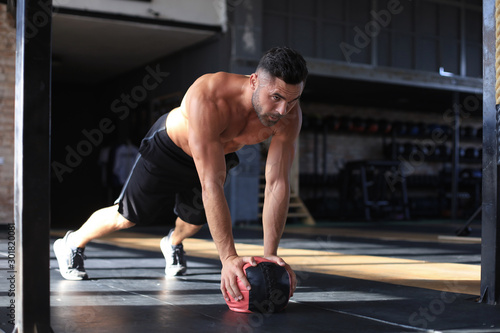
pixel 101 223
pixel 70 249
pixel 172 247
pixel 182 231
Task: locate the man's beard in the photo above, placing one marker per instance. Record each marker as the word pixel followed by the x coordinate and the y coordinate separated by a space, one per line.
pixel 263 117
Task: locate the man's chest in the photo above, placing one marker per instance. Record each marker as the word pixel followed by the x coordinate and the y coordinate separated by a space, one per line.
pixel 251 134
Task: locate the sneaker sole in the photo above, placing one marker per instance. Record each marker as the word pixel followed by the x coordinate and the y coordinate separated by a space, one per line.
pixel 173 271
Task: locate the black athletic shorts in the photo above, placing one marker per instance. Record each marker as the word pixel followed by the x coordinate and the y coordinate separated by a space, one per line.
pixel 163 178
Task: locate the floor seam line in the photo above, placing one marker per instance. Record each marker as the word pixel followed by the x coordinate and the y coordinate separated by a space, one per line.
pixel 371 318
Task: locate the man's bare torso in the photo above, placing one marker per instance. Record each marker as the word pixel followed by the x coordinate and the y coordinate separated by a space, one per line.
pixel 229 98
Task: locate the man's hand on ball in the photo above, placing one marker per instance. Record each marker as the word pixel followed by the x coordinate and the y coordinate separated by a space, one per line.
pixel 281 262
pixel 232 268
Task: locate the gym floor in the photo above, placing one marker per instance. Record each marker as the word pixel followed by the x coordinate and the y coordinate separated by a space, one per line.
pixel 357 277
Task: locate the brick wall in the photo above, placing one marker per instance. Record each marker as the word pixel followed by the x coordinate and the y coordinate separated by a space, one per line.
pixel 7 82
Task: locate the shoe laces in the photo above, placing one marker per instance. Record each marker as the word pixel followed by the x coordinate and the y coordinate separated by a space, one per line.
pixel 77 259
pixel 177 254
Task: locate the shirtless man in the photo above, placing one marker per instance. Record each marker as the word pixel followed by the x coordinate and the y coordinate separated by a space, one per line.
pixel 189 151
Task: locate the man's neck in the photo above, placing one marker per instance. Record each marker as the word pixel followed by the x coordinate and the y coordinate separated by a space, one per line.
pixel 245 101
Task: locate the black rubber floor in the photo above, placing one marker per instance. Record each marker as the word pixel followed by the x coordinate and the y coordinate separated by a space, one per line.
pixel 127 292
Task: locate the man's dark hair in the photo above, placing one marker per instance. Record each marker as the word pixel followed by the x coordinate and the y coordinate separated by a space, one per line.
pixel 285 64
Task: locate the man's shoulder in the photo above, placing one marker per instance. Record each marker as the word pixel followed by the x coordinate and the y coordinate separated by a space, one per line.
pixel 220 77
pixel 215 90
pixel 219 85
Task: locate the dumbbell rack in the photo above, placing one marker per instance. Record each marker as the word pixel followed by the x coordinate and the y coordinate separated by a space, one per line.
pixel 400 145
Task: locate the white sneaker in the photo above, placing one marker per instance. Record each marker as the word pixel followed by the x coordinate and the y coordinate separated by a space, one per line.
pixel 70 261
pixel 174 256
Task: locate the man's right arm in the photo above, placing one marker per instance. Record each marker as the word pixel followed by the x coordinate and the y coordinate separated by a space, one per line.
pixel 206 123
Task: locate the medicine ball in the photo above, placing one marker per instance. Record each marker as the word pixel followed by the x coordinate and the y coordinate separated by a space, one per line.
pixel 358 124
pixel 332 123
pixel 346 123
pixel 371 126
pixel 271 288
pixel 384 127
pixel 413 129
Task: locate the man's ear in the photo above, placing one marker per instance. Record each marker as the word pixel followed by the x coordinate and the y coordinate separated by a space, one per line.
pixel 253 81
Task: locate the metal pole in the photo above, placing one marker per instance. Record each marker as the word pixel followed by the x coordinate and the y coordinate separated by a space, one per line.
pixel 490 206
pixel 32 165
pixel 455 156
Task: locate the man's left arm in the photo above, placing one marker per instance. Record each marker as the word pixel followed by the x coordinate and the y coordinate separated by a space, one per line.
pixel 277 194
pixel 277 191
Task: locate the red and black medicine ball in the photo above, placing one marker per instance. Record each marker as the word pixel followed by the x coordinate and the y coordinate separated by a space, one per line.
pixel 271 288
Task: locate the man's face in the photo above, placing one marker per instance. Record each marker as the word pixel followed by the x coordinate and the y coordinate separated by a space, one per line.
pixel 273 99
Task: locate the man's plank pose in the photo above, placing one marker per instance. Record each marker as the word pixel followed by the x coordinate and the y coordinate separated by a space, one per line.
pixel 183 163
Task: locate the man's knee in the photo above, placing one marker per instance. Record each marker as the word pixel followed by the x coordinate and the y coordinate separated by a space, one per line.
pixel 113 215
pixel 122 222
pixel 181 223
